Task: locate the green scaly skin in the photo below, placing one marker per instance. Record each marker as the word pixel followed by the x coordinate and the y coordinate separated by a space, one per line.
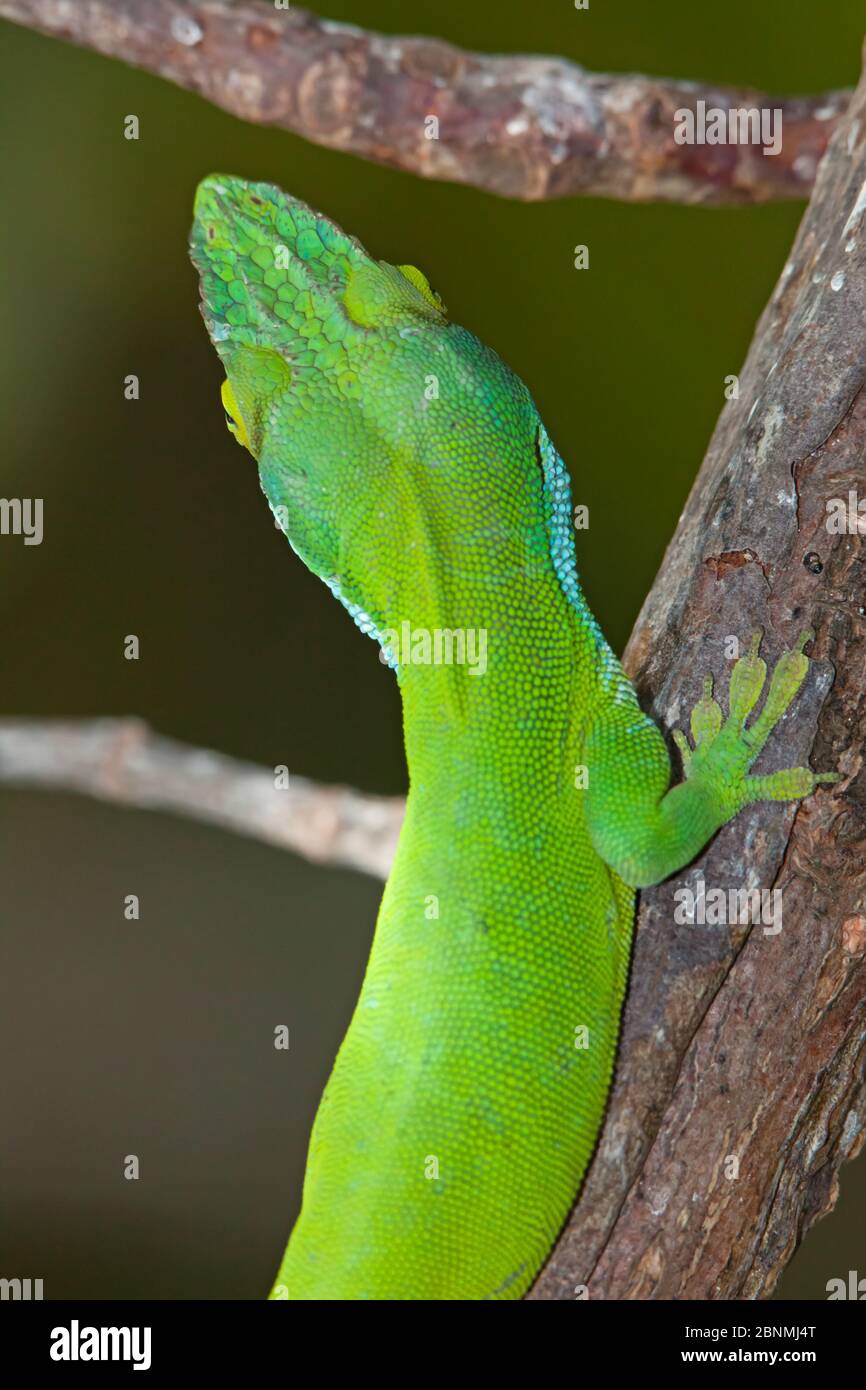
pixel 408 467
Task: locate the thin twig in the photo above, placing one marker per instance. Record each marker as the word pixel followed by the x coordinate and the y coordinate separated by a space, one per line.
pixel 120 760
pixel 523 127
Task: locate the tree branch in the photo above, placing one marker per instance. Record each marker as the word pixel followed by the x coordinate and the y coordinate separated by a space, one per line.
pixel 120 760
pixel 522 127
pixel 742 1051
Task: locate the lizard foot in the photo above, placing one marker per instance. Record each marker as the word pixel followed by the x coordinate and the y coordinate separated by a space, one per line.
pixel 725 749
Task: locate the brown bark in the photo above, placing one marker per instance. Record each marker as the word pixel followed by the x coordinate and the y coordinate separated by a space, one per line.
pixel 737 1042
pixel 522 127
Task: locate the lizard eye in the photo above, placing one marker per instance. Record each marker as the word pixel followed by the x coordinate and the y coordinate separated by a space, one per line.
pixel 233 416
pixel 417 278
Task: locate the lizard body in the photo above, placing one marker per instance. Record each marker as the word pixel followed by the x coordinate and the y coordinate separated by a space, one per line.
pixel 409 468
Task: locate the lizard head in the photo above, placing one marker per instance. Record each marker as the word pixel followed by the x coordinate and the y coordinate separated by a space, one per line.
pixel 389 441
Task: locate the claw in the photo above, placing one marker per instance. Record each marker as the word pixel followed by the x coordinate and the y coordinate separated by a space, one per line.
pixel 682 743
pixel 788 675
pixel 791 784
pixel 706 718
pixel 747 682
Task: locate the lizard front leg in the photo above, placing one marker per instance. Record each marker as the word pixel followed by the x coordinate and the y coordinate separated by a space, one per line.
pixel 646 831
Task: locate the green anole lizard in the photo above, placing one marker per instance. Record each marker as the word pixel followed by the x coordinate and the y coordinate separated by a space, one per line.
pixel 409 469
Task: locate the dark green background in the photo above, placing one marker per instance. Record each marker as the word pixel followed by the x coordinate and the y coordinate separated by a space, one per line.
pixel 155 1038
